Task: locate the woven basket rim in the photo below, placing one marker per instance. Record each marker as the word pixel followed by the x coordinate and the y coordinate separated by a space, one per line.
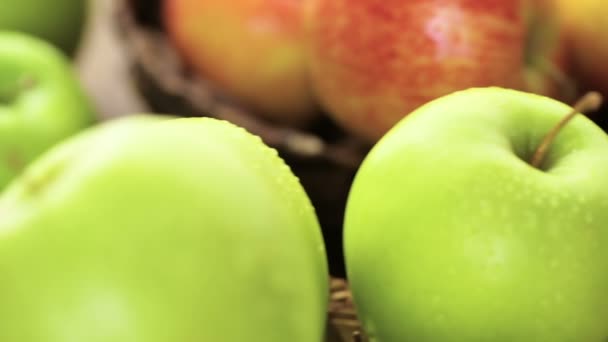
pixel 348 151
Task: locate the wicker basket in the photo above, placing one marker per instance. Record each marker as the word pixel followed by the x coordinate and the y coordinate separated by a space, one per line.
pixel 323 156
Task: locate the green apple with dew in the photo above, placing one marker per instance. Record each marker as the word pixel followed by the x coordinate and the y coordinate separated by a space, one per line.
pixel 453 234
pixel 60 22
pixel 41 101
pixel 161 230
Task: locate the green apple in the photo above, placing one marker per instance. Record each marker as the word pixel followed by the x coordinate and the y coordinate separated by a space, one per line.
pixel 60 22
pixel 41 101
pixel 451 234
pixel 160 230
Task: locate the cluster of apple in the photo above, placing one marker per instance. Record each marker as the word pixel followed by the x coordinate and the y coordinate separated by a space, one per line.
pixel 143 228
pixel 368 63
pixel 450 233
pixel 480 216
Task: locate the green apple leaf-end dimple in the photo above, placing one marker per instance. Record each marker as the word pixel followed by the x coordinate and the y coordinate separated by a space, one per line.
pixel 10 93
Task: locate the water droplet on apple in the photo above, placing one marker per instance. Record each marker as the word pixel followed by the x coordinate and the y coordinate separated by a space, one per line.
pixel 554 202
pixel 581 199
pixel 544 303
pixel 510 189
pixel 559 297
pixel 440 318
pixel 554 264
pixel 509 229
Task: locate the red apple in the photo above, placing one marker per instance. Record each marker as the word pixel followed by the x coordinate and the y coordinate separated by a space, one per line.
pixel 374 61
pixel 252 49
pixel 586 28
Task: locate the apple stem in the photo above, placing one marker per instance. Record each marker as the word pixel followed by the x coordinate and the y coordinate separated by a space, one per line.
pixel 357 337
pixel 590 102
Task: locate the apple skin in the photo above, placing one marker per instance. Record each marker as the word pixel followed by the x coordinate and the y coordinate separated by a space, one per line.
pixel 451 236
pixel 161 230
pixel 374 61
pixel 252 49
pixel 61 22
pixel 586 31
pixel 41 101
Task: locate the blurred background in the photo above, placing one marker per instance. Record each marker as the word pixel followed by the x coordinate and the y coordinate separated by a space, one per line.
pixel 102 64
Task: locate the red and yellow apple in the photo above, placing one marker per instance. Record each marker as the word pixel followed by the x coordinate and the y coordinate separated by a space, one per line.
pixel 252 49
pixel 586 28
pixel 374 61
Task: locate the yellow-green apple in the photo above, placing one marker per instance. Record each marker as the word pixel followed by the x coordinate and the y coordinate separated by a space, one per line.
pixel 374 61
pixel 41 101
pixel 586 29
pixel 61 22
pixel 252 49
pixel 150 229
pixel 451 233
